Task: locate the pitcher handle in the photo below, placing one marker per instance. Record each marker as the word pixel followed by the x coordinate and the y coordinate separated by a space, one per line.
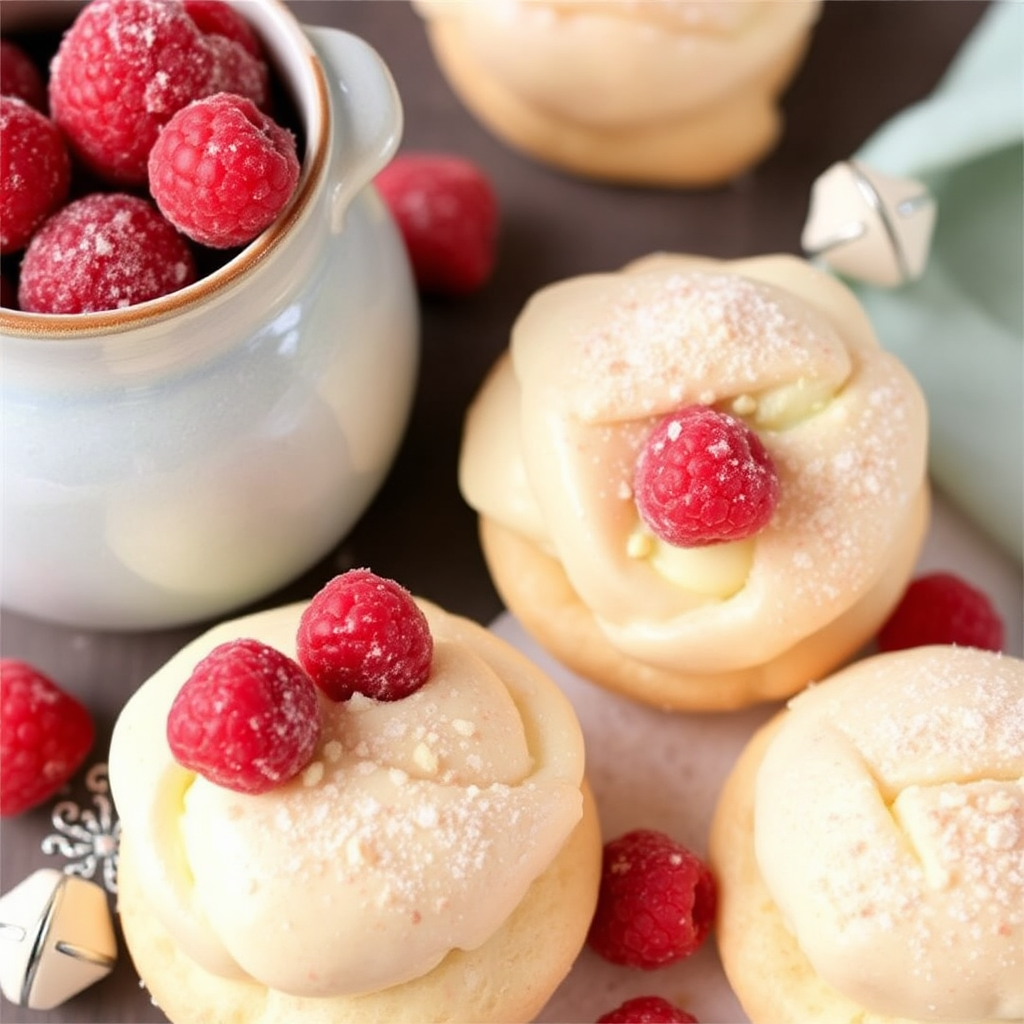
pixel 367 119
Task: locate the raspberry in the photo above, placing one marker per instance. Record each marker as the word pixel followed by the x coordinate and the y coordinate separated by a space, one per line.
pixel 104 251
pixel 247 719
pixel 447 212
pixel 20 77
pixel 656 902
pixel 365 634
pixel 217 18
pixel 942 608
pixel 35 172
pixel 647 1010
pixel 45 734
pixel 221 171
pixel 125 67
pixel 704 477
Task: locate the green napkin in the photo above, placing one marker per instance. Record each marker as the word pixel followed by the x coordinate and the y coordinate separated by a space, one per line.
pixel 960 327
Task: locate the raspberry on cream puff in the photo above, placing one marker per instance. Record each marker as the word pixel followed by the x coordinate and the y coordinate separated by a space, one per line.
pixel 435 856
pixel 699 483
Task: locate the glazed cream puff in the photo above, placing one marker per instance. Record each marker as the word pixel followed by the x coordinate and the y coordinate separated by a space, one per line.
pixel 649 92
pixel 437 859
pixel 869 847
pixel 550 456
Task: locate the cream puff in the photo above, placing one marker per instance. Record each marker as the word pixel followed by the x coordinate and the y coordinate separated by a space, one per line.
pixel 783 355
pixel 434 857
pixel 869 847
pixel 650 92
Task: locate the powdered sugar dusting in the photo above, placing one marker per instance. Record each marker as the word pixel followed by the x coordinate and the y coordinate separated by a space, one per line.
pixel 909 892
pixel 697 337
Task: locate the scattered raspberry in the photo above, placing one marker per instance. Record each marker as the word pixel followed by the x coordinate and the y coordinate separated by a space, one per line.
pixel 45 734
pixel 221 171
pixel 35 172
pixel 125 67
pixel 656 903
pixel 365 634
pixel 20 77
pixel 704 477
pixel 647 1010
pixel 217 18
pixel 104 251
pixel 248 718
pixel 447 212
pixel 942 609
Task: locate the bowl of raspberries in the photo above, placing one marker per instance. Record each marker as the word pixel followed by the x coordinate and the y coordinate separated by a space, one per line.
pixel 208 320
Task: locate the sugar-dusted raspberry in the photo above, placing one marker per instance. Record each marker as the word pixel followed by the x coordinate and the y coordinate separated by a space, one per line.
pixel 704 477
pixel 942 608
pixel 125 67
pixel 45 734
pixel 647 1010
pixel 656 901
pixel 20 77
pixel 365 634
pixel 218 18
pixel 247 719
pixel 447 211
pixel 35 172
pixel 103 251
pixel 221 171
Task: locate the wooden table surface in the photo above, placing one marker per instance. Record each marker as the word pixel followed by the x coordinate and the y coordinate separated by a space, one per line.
pixel 868 60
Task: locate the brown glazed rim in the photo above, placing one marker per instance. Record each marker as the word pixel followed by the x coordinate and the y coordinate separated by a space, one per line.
pixel 69 326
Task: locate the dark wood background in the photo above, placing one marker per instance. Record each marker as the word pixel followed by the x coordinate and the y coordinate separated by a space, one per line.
pixel 869 59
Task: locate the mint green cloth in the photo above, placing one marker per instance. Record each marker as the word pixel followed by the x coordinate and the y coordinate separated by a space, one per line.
pixel 960 327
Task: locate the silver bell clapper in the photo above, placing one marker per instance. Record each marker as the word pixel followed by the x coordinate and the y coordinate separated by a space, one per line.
pixel 56 939
pixel 869 226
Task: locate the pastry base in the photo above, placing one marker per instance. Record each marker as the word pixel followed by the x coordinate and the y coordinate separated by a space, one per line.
pixel 536 590
pixel 767 970
pixel 700 148
pixel 508 979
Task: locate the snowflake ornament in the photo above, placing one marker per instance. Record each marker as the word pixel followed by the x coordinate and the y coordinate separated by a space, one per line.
pixel 89 838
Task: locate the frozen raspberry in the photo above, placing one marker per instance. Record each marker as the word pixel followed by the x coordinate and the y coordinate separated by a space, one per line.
pixel 20 77
pixel 656 902
pixel 647 1010
pixel 35 172
pixel 125 67
pixel 45 734
pixel 447 212
pixel 221 171
pixel 104 251
pixel 247 719
pixel 365 634
pixel 217 18
pixel 942 608
pixel 704 477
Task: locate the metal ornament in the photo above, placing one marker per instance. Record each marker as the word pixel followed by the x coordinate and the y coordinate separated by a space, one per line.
pixel 56 939
pixel 869 226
